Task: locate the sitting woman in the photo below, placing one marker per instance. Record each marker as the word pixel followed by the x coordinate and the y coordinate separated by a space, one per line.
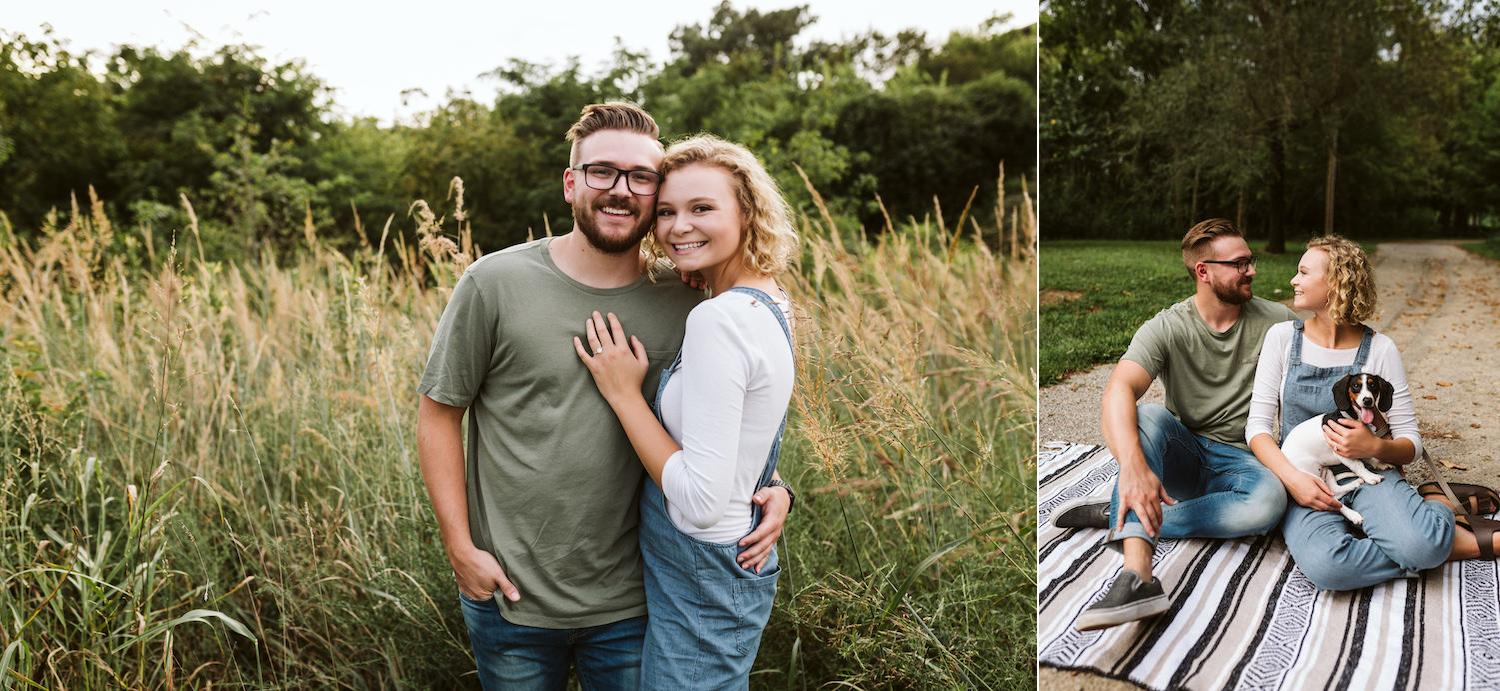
pixel 720 411
pixel 1403 532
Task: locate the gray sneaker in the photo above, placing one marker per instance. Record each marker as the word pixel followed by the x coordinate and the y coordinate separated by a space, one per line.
pixel 1083 512
pixel 1128 599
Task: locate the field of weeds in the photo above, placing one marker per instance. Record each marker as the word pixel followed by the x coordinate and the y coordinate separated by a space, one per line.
pixel 209 473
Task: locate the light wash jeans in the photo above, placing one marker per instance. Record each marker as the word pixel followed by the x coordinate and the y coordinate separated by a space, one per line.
pixel 1406 534
pixel 512 656
pixel 1221 490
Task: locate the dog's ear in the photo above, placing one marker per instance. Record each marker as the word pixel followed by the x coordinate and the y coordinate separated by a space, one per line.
pixel 1341 395
pixel 1387 392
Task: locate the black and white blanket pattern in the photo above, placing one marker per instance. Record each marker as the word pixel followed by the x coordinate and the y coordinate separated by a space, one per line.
pixel 1244 617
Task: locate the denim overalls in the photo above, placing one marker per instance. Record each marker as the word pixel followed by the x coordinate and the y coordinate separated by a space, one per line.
pixel 1404 533
pixel 1308 390
pixel 706 612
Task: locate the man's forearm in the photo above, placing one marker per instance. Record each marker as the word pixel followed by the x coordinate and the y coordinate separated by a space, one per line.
pixel 440 451
pixel 1120 426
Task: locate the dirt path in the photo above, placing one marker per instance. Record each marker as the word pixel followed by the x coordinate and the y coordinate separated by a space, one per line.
pixel 1441 306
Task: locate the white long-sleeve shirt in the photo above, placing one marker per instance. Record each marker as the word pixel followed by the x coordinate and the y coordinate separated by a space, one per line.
pixel 723 406
pixel 1270 378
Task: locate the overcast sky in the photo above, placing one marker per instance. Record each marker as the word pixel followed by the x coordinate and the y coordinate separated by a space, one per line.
pixel 371 53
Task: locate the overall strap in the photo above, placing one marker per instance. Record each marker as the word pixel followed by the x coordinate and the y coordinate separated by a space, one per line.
pixel 769 471
pixel 1364 348
pixel 661 386
pixel 780 318
pixel 1295 357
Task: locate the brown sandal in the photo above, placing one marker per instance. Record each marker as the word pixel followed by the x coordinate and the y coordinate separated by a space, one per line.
pixel 1468 501
pixel 1476 499
pixel 1484 530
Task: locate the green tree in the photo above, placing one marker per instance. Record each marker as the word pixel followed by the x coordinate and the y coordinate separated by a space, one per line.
pixel 1100 178
pixel 182 120
pixel 360 183
pixel 1248 108
pixel 763 40
pixel 57 135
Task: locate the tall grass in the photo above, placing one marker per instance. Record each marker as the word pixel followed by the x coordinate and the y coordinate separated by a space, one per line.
pixel 916 418
pixel 209 476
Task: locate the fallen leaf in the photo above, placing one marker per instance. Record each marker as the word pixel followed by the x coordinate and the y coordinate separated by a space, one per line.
pixel 1450 464
pixel 1430 397
pixel 1445 383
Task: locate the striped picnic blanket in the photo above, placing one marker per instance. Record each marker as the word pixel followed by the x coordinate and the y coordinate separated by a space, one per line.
pixel 1244 617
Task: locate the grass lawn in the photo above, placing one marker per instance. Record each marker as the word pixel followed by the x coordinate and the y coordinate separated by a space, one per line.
pixel 1489 248
pixel 1096 293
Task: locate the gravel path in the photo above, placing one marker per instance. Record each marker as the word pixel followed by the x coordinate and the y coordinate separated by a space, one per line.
pixel 1441 306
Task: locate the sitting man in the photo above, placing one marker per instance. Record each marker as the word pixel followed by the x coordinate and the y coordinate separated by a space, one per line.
pixel 1185 470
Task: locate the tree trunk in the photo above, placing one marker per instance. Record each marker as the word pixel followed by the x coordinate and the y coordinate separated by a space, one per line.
pixel 1194 215
pixel 1276 231
pixel 1239 215
pixel 1177 201
pixel 1333 162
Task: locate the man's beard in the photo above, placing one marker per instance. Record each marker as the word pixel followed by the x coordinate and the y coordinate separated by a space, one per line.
pixel 583 217
pixel 1232 294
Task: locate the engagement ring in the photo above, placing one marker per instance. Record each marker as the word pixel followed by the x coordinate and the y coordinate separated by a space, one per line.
pixel 598 350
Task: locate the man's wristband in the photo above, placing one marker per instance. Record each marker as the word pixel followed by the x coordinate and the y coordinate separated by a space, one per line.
pixel 791 496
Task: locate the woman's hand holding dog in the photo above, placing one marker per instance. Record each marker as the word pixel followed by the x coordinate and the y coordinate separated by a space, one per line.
pixel 618 363
pixel 1310 492
pixel 1351 439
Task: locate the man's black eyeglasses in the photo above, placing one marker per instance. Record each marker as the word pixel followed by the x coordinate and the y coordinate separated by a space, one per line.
pixel 1241 265
pixel 603 177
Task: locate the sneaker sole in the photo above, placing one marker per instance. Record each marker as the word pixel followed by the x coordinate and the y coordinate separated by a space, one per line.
pixel 1062 510
pixel 1094 619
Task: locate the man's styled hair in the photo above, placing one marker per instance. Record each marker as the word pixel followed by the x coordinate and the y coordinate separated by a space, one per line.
pixel 769 238
pixel 1199 237
pixel 613 115
pixel 1351 281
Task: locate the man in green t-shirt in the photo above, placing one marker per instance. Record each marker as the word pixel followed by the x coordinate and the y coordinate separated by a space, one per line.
pixel 541 507
pixel 1185 470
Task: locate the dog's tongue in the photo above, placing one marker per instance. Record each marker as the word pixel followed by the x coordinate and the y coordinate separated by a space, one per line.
pixel 1367 416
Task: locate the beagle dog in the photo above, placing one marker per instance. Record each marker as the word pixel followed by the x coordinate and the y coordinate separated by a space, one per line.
pixel 1362 397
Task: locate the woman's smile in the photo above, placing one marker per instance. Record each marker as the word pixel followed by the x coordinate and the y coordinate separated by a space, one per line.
pixel 700 224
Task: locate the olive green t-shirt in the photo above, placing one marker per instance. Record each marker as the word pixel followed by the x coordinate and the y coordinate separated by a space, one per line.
pixel 1207 375
pixel 552 479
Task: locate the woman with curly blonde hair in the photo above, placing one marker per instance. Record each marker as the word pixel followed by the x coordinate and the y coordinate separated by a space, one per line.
pixel 1403 533
pixel 1351 282
pixel 714 436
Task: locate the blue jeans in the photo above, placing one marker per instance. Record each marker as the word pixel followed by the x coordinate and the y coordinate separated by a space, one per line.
pixel 1222 491
pixel 512 656
pixel 1405 534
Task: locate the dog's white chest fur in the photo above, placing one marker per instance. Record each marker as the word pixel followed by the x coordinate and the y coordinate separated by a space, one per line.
pixel 1307 451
